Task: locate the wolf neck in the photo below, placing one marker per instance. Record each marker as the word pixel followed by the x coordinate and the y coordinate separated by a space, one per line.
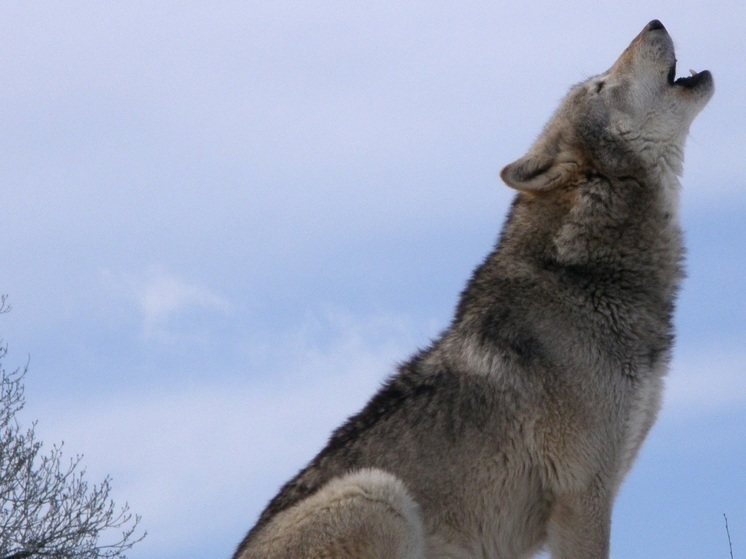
pixel 668 169
pixel 670 191
pixel 624 225
pixel 595 250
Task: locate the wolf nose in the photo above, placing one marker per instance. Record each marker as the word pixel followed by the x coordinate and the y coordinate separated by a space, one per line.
pixel 655 24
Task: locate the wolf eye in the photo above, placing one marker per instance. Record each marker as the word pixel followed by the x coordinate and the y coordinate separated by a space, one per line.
pixel 599 87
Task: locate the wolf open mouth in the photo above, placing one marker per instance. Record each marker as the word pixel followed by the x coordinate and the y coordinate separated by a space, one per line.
pixel 688 81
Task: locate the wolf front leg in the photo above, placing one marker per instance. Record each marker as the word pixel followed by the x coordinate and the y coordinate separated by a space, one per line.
pixel 580 525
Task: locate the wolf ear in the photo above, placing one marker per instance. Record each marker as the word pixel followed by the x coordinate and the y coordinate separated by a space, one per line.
pixel 544 167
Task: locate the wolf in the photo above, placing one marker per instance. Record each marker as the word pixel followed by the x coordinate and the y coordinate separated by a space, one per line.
pixel 512 431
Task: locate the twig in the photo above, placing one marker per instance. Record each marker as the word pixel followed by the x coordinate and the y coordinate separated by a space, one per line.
pixel 730 545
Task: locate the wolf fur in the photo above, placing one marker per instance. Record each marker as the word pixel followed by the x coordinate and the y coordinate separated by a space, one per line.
pixel 514 429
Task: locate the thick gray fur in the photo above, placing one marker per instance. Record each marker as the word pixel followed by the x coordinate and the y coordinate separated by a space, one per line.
pixel 513 431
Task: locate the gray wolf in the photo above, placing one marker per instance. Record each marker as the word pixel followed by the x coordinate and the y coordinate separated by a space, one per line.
pixel 513 431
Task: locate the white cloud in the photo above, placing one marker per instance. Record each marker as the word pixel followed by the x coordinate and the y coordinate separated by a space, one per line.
pixel 708 381
pixel 163 296
pixel 160 297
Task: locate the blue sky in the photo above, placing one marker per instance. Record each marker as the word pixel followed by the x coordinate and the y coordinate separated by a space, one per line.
pixel 223 224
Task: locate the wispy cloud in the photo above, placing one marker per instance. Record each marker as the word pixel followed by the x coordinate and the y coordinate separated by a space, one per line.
pixel 708 381
pixel 161 297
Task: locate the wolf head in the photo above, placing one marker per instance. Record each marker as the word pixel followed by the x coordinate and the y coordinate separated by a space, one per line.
pixel 630 121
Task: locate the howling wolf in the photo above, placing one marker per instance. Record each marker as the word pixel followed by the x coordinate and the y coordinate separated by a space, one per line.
pixel 514 429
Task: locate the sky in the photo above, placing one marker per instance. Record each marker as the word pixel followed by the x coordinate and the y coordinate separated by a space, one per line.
pixel 223 224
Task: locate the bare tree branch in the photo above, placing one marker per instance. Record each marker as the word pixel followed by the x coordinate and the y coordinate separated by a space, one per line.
pixel 47 507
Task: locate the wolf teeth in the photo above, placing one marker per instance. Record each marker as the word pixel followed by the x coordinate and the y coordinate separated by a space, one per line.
pixel 693 72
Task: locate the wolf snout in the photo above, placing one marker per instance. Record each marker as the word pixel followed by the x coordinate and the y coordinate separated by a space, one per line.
pixel 655 25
